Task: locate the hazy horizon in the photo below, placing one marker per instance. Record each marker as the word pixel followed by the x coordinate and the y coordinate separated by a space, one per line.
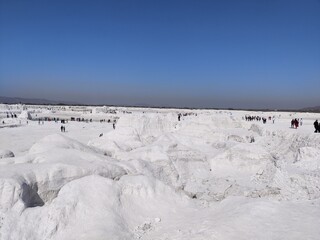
pixel 221 54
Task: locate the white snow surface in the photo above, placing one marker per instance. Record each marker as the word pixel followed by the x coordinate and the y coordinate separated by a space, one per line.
pixel 25 115
pixel 211 175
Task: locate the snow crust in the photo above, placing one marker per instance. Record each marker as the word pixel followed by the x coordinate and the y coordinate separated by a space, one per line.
pixel 211 175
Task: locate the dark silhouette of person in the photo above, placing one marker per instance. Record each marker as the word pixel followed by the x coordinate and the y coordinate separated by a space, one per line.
pixel 292 123
pixel 316 126
pixel 114 126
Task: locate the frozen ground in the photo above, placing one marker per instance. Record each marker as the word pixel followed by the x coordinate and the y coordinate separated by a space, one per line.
pixel 211 175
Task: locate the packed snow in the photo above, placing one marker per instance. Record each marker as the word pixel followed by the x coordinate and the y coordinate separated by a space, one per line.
pixel 139 173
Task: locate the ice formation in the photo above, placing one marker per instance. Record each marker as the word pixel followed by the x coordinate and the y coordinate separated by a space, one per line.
pixel 210 175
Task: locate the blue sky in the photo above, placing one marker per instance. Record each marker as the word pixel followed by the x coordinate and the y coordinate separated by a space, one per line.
pixel 239 54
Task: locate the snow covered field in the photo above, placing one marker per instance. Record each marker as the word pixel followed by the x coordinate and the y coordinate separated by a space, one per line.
pixel 211 175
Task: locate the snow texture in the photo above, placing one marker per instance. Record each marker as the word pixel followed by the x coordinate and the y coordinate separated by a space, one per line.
pixel 211 175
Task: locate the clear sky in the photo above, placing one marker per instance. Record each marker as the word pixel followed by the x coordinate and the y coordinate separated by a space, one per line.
pixel 200 53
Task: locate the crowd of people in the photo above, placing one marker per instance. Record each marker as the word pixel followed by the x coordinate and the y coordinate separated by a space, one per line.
pixel 258 119
pixel 12 115
pixel 252 118
pixel 294 123
pixel 186 114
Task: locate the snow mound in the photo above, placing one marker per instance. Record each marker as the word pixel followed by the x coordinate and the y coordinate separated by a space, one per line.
pixel 148 126
pixel 58 141
pixel 257 129
pixel 240 158
pixel 25 115
pixel 308 158
pixel 6 153
pixel 36 178
pixel 102 207
pixel 132 133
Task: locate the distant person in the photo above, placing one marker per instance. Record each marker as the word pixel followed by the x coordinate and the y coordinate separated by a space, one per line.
pixel 300 121
pixel 179 116
pixel 114 126
pixel 61 128
pixel 296 123
pixel 292 123
pixel 264 120
pixel 316 126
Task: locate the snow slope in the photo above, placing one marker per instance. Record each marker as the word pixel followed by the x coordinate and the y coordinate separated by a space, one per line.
pixel 211 175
